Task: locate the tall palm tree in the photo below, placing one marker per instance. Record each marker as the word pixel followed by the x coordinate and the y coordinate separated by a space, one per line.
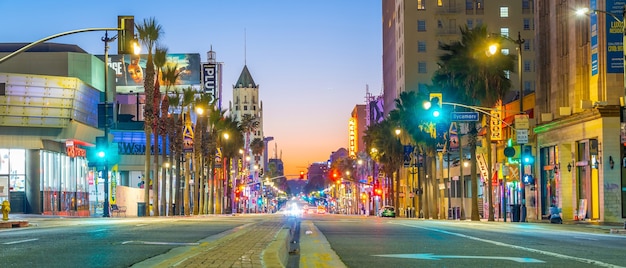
pixel 203 103
pixel 388 148
pixel 230 151
pixel 149 33
pixel 175 132
pixel 170 76
pixel 187 103
pixel 159 61
pixel 467 76
pixel 410 116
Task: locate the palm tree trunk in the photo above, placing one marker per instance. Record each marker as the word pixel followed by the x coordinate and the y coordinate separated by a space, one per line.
pixel 489 174
pixel 155 207
pixel 147 170
pixel 201 180
pixel 474 169
pixel 164 207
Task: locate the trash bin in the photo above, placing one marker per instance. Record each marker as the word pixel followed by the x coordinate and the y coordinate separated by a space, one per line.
pixel 141 209
pixel 515 212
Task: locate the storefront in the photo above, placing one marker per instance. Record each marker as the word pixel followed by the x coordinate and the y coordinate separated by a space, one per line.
pixel 576 173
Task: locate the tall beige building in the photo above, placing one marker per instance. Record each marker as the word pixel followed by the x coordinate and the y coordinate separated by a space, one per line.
pixel 412 32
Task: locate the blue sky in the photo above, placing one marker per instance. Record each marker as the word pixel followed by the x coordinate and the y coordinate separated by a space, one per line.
pixel 312 59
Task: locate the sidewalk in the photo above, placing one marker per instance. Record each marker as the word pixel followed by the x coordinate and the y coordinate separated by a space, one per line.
pixel 261 244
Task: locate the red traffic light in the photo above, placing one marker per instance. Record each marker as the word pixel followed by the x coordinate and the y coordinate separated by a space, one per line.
pixel 301 174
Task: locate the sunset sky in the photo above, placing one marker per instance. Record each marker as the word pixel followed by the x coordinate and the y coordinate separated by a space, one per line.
pixel 311 59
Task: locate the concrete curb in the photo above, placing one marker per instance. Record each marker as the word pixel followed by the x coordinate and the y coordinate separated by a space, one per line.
pixel 277 253
pixel 618 231
pixel 315 251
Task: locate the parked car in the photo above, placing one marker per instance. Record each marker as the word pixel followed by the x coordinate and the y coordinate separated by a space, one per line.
pixel 388 211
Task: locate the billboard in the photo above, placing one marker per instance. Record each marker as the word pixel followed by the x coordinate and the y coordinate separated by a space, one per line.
pixel 614 38
pixel 209 80
pixel 130 71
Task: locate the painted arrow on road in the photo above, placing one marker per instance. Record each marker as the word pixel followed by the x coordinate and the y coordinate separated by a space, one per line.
pixel 430 256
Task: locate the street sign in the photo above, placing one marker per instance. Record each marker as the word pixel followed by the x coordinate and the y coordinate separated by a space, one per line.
pixel 522 136
pixel 521 121
pixel 465 116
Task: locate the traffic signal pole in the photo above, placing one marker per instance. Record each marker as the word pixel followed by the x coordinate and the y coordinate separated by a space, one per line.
pixel 105 171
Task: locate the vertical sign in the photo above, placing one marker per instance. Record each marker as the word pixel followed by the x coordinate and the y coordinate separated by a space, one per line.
pixel 482 165
pixel 496 124
pixel 593 20
pixel 614 38
pixel 209 79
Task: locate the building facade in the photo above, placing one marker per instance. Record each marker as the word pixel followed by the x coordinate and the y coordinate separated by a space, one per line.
pixel 579 134
pixel 412 32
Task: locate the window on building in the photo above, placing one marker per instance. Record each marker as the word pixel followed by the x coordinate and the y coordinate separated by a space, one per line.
pixel 439 3
pixel 504 12
pixel 528 86
pixel 470 24
pixel 236 107
pixel 526 24
pixel 527 66
pixel 525 4
pixel 480 5
pixel 505 51
pixel 421 25
pixel 421 46
pixel 421 5
pixel 254 107
pixel 479 22
pixel 245 107
pixel 504 32
pixel 421 67
pixel 527 45
pixel 439 24
pixel 469 5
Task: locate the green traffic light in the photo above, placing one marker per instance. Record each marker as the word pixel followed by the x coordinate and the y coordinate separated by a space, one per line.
pixel 436 113
pixel 101 154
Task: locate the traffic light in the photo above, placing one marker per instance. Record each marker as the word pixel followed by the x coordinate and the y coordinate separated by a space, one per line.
pixel 301 175
pixel 335 175
pixel 126 41
pixel 378 191
pixel 527 156
pixel 435 105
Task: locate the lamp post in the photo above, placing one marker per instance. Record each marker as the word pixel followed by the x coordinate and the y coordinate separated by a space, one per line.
pixel 105 171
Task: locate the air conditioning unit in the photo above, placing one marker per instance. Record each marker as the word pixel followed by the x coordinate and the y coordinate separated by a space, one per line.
pixel 546 117
pixel 565 111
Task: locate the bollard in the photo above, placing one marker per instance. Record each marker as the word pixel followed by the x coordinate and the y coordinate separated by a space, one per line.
pixel 6 208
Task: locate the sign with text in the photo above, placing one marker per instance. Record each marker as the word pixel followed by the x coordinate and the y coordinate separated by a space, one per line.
pixel 465 116
pixel 521 121
pixel 209 79
pixel 521 136
pixel 496 125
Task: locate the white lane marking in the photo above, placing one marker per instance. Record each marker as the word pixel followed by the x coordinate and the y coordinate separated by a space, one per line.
pixel 97 231
pixel 552 254
pixel 160 243
pixel 585 238
pixel 21 241
pixel 430 256
pixel 141 224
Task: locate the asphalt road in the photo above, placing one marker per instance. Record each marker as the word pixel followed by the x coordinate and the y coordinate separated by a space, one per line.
pixel 106 242
pixel 384 242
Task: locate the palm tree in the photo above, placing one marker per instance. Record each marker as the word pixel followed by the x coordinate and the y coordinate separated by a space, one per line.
pixel 187 103
pixel 159 61
pixel 203 104
pixel 388 148
pixel 231 151
pixel 468 77
pixel 175 132
pixel 257 146
pixel 167 124
pixel 149 33
pixel 409 115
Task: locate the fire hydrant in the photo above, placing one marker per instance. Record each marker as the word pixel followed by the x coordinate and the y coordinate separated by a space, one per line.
pixel 6 208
